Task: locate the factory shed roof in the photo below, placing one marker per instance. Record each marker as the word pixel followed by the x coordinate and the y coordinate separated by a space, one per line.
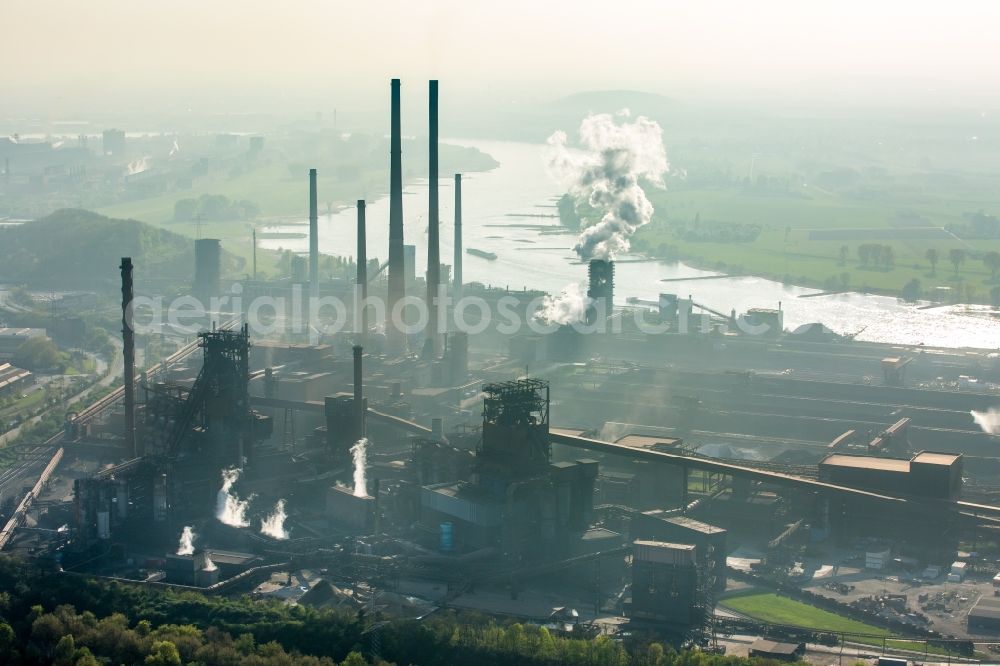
pixel 20 332
pixel 866 462
pixel 664 544
pixel 987 608
pixel 10 374
pixel 230 557
pixel 764 647
pixel 932 458
pixel 694 525
pixel 647 441
pixel 575 432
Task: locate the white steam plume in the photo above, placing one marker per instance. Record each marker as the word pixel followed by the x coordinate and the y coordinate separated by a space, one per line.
pixel 186 545
pixel 274 524
pixel 569 307
pixel 359 453
pixel 209 564
pixel 988 421
pixel 137 166
pixel 606 177
pixel 229 508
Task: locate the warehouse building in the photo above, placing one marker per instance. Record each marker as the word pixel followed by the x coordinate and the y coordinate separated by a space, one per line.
pixel 665 583
pixel 926 474
pixel 709 540
pixel 13 379
pixel 12 338
pixel 984 616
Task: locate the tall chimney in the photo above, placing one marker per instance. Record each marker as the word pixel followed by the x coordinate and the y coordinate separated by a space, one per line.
pixel 362 288
pixel 457 270
pixel 433 249
pixel 128 338
pixel 396 268
pixel 359 397
pixel 313 237
pixel 602 289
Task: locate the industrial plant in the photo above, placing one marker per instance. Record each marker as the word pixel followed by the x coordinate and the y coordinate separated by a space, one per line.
pixel 597 476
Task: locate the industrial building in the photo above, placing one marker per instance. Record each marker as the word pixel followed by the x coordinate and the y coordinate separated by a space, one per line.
pixel 768 649
pixel 984 617
pixel 667 584
pixel 926 474
pixel 12 338
pixel 518 499
pixel 709 540
pixel 13 379
pixel 365 453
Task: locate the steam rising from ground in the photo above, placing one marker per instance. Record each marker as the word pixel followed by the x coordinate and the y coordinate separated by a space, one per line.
pixel 359 453
pixel 186 545
pixel 229 508
pixel 605 178
pixel 569 307
pixel 989 420
pixel 274 524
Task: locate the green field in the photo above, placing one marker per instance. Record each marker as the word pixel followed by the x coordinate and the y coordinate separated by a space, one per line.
pixel 771 608
pixel 270 186
pixel 783 249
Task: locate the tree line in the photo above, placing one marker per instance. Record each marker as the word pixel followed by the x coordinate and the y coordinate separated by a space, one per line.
pixel 40 623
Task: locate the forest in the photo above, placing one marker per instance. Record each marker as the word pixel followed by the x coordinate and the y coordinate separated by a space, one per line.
pixel 51 617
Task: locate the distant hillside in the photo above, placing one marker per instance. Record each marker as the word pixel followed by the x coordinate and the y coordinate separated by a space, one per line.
pixel 77 247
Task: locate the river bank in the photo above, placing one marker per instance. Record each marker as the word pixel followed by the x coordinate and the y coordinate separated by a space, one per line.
pixel 540 256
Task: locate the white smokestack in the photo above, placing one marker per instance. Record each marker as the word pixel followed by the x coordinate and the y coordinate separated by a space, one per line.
pixel 359 453
pixel 988 421
pixel 604 179
pixel 229 508
pixel 274 524
pixel 186 545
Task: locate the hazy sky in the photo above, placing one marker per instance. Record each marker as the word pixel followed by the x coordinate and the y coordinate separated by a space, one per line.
pixel 63 53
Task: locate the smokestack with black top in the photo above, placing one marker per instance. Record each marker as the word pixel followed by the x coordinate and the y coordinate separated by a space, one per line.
pixel 433 221
pixel 396 268
pixel 602 289
pixel 458 238
pixel 362 279
pixel 128 340
pixel 359 398
pixel 313 237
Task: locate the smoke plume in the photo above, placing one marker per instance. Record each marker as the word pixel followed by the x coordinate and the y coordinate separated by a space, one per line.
pixel 359 453
pixel 208 565
pixel 274 524
pixel 229 508
pixel 988 421
pixel 186 545
pixel 137 166
pixel 569 307
pixel 604 179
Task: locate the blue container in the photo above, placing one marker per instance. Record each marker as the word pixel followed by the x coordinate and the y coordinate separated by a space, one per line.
pixel 446 537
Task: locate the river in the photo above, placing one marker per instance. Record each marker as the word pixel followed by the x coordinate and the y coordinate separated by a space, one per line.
pixel 535 252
